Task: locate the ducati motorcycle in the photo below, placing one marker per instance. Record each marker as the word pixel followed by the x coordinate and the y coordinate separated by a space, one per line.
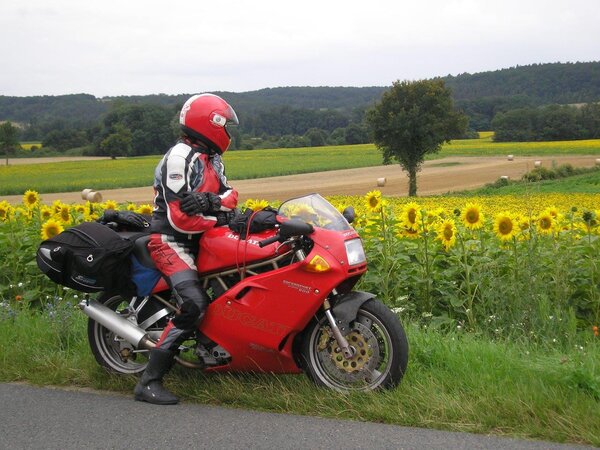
pixel 282 301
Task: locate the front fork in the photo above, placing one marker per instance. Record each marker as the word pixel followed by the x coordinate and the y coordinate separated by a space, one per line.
pixel 342 342
pixel 347 350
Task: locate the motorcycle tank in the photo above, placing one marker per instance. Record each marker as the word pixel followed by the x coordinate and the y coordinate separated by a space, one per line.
pixel 221 248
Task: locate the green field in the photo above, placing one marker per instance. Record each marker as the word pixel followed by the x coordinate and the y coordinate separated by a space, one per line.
pixel 28 144
pixel 484 146
pixel 588 183
pixel 134 172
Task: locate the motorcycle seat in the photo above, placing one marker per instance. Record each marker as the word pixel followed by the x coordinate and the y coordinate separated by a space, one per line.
pixel 140 247
pixel 140 250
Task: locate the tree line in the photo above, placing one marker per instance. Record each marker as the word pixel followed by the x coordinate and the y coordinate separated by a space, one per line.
pixel 305 116
pixel 549 123
pixel 128 129
pixel 483 95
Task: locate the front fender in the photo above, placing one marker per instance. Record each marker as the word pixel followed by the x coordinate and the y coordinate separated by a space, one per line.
pixel 346 306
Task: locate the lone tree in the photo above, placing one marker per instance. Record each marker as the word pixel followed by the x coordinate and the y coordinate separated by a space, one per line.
pixel 412 119
pixel 8 138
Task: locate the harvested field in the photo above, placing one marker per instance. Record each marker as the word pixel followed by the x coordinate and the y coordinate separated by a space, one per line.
pixel 437 177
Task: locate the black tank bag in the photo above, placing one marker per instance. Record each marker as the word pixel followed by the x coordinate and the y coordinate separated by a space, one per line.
pixel 253 222
pixel 89 257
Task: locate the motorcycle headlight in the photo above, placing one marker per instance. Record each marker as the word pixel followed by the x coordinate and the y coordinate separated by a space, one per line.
pixel 355 252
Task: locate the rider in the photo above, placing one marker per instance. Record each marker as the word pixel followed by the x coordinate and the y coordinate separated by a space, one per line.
pixel 191 196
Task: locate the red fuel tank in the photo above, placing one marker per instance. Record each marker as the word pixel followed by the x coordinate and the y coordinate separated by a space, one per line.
pixel 221 248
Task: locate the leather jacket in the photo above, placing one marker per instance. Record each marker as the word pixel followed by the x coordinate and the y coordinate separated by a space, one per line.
pixel 188 167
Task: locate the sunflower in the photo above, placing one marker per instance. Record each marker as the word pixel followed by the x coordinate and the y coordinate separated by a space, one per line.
pixel 305 212
pixel 56 206
pixel 287 211
pixel 505 226
pixel 81 209
pixel 23 212
pixel 131 207
pixel 111 204
pixel 51 228
pixel 472 217
pixel 259 205
pixel 446 233
pixel 31 198
pixel 553 211
pixel 250 203
pixel 524 222
pixel 409 233
pixel 590 219
pixel 5 211
pixel 45 212
pixel 545 223
pixel 435 215
pixel 410 215
pixel 145 209
pixel 373 201
pixel 65 214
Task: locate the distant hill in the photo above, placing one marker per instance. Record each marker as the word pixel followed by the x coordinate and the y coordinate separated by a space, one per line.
pixel 561 83
pixel 480 95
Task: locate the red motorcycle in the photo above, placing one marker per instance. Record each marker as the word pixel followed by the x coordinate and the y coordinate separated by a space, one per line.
pixel 282 302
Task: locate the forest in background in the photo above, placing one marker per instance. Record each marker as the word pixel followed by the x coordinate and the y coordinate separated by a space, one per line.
pixel 294 116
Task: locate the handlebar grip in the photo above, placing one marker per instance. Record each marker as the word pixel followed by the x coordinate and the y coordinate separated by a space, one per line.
pixel 268 241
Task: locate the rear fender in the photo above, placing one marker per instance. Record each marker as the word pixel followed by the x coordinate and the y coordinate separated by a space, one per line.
pixel 346 308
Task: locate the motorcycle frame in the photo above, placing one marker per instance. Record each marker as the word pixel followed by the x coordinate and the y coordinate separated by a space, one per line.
pixel 258 319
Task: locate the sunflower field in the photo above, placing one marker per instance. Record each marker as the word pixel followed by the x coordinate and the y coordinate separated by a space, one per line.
pixel 505 267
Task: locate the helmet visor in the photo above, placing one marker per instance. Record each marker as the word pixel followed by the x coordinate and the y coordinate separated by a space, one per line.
pixel 231 116
pixel 231 120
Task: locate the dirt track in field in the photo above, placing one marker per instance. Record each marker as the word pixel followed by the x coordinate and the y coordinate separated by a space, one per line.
pixel 437 177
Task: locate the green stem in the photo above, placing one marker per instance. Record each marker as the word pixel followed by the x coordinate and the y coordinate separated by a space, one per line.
pixel 470 294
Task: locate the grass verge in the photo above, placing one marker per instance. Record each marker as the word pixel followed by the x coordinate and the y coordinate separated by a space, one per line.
pixel 586 183
pixel 456 382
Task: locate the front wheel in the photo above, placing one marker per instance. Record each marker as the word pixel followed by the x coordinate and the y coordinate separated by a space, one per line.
pixel 380 351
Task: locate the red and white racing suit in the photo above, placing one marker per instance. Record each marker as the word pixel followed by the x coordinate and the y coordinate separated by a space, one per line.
pixel 173 245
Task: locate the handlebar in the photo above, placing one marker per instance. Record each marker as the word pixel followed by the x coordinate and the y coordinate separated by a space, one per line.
pixel 268 241
pixel 289 229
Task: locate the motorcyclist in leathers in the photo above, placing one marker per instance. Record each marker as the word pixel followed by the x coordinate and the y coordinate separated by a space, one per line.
pixel 191 196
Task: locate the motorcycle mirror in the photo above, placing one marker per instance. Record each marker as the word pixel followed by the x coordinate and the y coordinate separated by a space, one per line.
pixel 349 214
pixel 294 227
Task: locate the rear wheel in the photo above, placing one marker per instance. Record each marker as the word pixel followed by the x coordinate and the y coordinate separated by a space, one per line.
pixel 380 351
pixel 114 353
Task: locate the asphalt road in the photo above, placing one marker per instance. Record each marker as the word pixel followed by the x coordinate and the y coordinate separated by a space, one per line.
pixel 44 418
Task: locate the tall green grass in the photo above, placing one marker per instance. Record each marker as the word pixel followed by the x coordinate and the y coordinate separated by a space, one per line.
pixel 588 183
pixel 454 382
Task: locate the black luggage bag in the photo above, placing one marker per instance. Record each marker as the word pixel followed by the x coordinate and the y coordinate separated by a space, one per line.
pixel 89 257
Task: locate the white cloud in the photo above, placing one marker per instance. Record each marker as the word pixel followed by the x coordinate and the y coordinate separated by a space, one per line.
pixel 142 47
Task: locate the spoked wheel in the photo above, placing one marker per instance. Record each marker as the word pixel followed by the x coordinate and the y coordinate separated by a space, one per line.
pixel 380 351
pixel 114 353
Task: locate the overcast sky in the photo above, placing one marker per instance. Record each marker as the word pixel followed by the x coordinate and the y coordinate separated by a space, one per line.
pixel 129 47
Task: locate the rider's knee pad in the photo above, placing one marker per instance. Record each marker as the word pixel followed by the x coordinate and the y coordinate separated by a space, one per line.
pixel 194 302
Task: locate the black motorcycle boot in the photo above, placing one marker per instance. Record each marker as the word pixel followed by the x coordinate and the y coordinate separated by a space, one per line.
pixel 150 388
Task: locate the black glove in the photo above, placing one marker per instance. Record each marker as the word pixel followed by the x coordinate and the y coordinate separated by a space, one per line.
pixel 132 219
pixel 109 215
pixel 214 200
pixel 194 203
pixel 223 218
pixel 127 218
